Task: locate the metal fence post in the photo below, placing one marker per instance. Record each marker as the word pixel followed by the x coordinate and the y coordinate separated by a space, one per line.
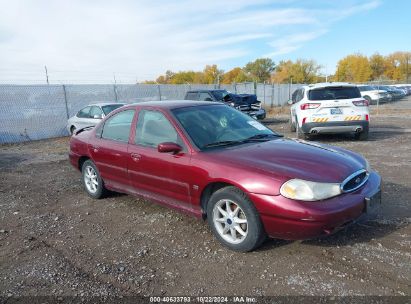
pixel 115 93
pixel 159 92
pixel 65 101
pixel 272 95
pixel 235 88
pixel 264 92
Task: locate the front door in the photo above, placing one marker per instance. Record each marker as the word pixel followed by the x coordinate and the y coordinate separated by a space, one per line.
pixel 164 174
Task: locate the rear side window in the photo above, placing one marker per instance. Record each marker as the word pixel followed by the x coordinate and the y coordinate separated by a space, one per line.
pixel 118 126
pixel 191 96
pixel 334 93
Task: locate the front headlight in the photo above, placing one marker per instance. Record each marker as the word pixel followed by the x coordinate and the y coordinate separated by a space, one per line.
pixel 302 190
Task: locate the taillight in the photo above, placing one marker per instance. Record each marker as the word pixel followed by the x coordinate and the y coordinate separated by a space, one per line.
pixel 361 103
pixel 304 119
pixel 308 106
pixel 367 118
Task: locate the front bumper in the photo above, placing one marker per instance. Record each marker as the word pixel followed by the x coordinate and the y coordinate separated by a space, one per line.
pixel 259 114
pixel 288 219
pixel 334 127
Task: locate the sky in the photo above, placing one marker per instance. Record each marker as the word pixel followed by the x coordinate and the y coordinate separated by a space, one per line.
pixel 99 41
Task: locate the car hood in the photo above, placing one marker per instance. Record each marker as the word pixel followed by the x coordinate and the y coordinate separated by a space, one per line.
pixel 287 158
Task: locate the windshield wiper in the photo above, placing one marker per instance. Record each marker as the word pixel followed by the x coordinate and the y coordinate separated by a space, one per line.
pixel 222 143
pixel 263 136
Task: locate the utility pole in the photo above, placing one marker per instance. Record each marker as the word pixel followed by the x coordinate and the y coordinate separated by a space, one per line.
pixel 47 75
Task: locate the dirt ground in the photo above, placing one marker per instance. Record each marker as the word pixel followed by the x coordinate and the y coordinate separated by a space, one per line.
pixel 55 240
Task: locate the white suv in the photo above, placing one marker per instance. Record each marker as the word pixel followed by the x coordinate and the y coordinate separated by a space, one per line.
pixel 329 108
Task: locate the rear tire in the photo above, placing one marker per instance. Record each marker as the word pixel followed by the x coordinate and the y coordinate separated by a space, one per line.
pixel 92 181
pixel 300 133
pixel 368 98
pixel 292 125
pixel 234 220
pixel 363 135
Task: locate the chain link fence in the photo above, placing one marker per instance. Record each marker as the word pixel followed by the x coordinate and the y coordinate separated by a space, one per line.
pixel 32 112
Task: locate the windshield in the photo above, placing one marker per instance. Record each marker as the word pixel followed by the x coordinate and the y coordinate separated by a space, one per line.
pixel 220 125
pixel 109 108
pixel 220 94
pixel 334 93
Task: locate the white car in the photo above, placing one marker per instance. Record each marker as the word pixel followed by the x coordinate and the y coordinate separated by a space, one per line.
pixel 91 115
pixel 329 108
pixel 373 95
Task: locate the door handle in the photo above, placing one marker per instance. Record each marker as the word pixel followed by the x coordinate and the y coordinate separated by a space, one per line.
pixel 135 156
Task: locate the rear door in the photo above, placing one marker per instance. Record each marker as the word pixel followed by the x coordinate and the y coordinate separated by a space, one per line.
pixel 335 103
pixel 109 148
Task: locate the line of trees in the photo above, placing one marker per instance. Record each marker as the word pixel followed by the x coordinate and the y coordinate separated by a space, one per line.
pixel 352 68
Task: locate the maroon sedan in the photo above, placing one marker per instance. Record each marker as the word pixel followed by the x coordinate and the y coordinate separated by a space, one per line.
pixel 216 163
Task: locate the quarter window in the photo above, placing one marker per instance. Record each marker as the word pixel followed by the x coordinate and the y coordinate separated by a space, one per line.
pixel 118 126
pixel 154 128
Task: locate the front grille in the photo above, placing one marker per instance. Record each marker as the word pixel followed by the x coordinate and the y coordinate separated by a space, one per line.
pixel 243 107
pixel 256 106
pixel 354 181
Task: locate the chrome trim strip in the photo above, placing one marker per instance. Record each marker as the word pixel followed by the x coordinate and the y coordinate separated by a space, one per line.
pixel 351 177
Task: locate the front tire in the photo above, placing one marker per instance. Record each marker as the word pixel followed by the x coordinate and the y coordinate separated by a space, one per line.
pixel 92 181
pixel 72 130
pixel 234 220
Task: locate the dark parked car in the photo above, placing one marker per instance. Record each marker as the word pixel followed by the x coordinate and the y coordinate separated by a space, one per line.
pixel 246 103
pixel 216 163
pixel 396 93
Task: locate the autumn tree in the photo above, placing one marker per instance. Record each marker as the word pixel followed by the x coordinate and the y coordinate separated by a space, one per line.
pixel 378 65
pixel 353 68
pixel 235 75
pixel 260 70
pixel 212 74
pixel 183 77
pixel 301 71
pixel 398 66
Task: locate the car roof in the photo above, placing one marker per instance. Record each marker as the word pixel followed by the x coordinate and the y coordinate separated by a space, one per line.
pixel 172 104
pixel 328 84
pixel 100 104
pixel 206 90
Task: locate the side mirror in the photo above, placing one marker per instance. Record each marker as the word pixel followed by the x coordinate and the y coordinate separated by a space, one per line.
pixel 167 147
pixel 290 102
pixel 97 116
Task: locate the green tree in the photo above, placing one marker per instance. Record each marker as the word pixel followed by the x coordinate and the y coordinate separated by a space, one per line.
pixel 260 69
pixel 353 68
pixel 183 77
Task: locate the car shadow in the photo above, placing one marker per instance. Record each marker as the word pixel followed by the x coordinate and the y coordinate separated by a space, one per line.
pixel 373 136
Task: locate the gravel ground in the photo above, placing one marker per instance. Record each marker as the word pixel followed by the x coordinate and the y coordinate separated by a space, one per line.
pixel 55 240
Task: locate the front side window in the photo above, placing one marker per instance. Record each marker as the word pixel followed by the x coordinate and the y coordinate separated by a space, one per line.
pixel 205 96
pixel 220 94
pixel 191 96
pixel 109 108
pixel 84 113
pixel 154 128
pixel 96 112
pixel 118 126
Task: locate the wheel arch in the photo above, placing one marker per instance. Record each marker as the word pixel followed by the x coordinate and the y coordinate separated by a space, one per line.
pixel 81 161
pixel 211 188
